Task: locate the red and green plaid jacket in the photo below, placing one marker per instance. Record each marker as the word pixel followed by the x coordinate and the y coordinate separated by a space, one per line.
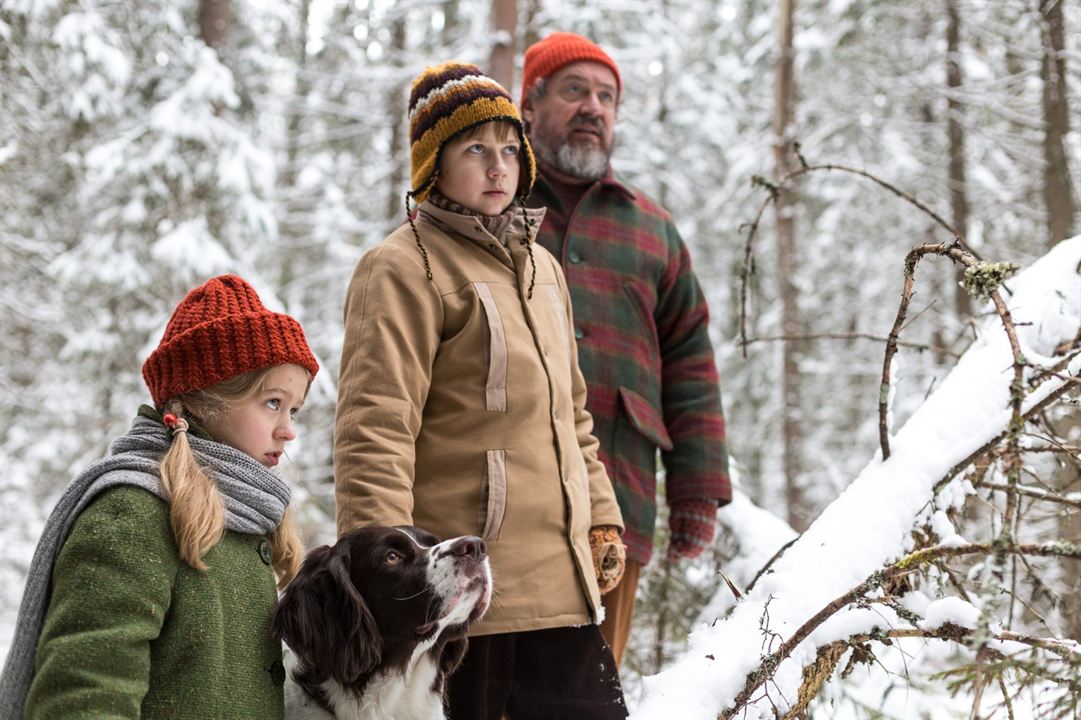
pixel 643 345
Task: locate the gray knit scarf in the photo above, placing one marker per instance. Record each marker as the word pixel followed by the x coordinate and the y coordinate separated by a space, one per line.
pixel 255 500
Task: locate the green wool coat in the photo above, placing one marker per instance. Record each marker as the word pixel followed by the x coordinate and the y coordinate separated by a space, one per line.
pixel 133 632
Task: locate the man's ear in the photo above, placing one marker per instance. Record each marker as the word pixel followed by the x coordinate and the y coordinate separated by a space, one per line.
pixel 527 111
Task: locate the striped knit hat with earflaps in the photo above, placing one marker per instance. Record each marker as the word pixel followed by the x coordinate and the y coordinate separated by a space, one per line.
pixel 446 100
pixel 218 331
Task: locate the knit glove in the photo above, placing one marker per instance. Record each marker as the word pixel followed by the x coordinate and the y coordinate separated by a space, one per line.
pixel 609 556
pixel 691 523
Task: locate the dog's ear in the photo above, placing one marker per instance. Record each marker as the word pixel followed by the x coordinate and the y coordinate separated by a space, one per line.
pixel 452 655
pixel 324 620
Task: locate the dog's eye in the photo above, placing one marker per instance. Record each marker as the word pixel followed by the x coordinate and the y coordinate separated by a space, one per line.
pixel 393 557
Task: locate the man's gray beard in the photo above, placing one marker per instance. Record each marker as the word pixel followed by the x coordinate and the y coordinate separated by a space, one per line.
pixel 584 161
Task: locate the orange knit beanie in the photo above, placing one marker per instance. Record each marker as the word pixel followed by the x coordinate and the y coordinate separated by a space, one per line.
pixel 546 56
pixel 218 331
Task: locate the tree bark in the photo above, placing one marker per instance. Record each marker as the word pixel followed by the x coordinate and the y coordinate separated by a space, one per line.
pixel 1057 192
pixel 784 104
pixel 214 23
pixel 531 33
pixel 939 277
pixel 396 112
pixel 1068 478
pixel 956 134
pixel 504 43
pixel 290 228
pixel 660 635
pixel 451 21
pixel 303 87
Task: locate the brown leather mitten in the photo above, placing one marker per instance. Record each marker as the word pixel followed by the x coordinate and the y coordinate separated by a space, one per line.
pixel 609 556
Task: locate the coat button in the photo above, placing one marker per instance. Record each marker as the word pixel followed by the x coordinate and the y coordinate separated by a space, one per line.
pixel 578 333
pixel 277 672
pixel 574 257
pixel 265 552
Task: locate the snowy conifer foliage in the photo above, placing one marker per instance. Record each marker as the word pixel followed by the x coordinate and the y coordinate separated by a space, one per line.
pixel 136 162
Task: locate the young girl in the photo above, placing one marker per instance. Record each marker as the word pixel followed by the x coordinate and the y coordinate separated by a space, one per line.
pixel 152 586
pixel 461 408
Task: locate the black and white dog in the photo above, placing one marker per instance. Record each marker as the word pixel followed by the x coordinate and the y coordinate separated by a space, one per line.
pixel 376 623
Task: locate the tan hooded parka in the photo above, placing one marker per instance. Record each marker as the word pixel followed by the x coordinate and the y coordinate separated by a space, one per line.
pixel 462 410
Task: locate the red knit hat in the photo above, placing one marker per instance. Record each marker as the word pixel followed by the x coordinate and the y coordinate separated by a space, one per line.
pixel 546 56
pixel 217 332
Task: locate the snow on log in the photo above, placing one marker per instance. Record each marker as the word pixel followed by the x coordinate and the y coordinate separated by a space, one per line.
pixel 868 526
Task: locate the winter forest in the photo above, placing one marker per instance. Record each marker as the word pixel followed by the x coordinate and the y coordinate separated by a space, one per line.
pixel 881 198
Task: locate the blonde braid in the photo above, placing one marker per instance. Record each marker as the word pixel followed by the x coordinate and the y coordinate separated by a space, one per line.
pixel 196 510
pixel 288 550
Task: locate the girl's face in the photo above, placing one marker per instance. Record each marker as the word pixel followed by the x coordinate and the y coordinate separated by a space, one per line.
pixel 261 424
pixel 479 170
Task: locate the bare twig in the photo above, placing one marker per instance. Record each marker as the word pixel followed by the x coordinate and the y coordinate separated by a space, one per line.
pixel 769 563
pixel 852 336
pixel 1069 344
pixel 1015 428
pixel 977 695
pixel 1064 649
pixel 954 252
pixel 920 314
pixel 1005 698
pixel 1056 448
pixel 1028 606
pixel 1039 375
pixel 1066 378
pixel 1032 493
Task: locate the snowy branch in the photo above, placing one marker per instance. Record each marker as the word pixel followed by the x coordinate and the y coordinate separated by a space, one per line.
pixel 764 672
pixel 850 551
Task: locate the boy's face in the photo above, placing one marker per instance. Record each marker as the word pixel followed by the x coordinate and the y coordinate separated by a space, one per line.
pixel 479 171
pixel 261 424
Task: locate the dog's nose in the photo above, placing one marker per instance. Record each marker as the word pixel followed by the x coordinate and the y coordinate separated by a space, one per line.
pixel 470 546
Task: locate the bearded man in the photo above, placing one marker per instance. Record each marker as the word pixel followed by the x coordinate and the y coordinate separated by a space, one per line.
pixel 640 316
